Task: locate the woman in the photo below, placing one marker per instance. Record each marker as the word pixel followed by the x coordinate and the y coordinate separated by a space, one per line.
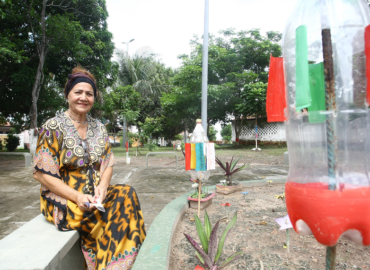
pixel 74 164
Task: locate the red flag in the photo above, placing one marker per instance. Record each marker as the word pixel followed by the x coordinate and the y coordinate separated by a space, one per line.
pixel 367 53
pixel 275 99
pixel 187 156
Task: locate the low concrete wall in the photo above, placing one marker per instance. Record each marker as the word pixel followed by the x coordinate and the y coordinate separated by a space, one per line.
pixel 27 157
pixel 39 245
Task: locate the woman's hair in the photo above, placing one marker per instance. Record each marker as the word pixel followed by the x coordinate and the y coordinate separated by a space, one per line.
pixel 80 69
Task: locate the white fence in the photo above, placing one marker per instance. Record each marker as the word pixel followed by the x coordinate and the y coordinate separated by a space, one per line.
pixel 274 131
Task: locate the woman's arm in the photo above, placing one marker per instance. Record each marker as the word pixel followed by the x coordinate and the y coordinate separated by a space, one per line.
pixel 58 187
pixel 101 189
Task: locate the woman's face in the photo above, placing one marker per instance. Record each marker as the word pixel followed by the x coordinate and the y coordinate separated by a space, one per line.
pixel 81 98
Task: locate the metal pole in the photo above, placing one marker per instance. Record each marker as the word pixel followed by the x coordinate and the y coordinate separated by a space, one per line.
pixel 199 190
pixel 330 103
pixel 124 119
pixel 331 253
pixel 205 66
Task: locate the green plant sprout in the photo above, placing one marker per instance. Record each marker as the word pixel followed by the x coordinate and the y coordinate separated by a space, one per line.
pixel 210 252
pixel 229 169
pixel 203 193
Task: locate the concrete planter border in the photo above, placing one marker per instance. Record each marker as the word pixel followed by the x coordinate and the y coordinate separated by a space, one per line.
pixel 154 254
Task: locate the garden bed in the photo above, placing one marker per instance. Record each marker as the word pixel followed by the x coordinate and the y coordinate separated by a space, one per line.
pixel 257 234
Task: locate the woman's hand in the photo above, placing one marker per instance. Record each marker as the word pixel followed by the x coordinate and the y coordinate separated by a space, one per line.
pixel 85 198
pixel 101 192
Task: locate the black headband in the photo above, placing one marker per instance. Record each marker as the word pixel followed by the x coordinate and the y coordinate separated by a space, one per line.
pixel 79 78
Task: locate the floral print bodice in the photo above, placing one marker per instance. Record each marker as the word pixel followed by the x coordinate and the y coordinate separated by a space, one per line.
pixel 60 153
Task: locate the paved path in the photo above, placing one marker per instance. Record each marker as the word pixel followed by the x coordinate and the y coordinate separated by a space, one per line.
pixel 156 186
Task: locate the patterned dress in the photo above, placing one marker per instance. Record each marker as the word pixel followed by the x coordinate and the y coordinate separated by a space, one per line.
pixel 110 239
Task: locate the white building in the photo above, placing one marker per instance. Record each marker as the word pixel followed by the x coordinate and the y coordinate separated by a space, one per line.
pixel 273 131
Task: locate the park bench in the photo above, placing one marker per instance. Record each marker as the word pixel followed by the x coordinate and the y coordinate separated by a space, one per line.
pixel 161 153
pixel 39 245
pixel 27 156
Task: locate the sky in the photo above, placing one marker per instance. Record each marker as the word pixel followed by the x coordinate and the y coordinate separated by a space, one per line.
pixel 167 26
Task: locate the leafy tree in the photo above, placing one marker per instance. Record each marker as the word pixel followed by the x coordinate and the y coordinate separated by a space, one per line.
pixel 149 78
pixel 178 137
pixel 121 102
pixel 254 95
pixel 236 59
pixel 150 126
pixel 41 41
pixel 183 103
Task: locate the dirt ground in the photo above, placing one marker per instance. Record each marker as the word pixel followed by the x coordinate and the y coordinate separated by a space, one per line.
pixel 257 234
pixel 20 195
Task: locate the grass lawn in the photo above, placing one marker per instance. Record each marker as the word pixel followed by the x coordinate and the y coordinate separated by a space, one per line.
pixel 16 150
pixel 269 154
pixel 243 150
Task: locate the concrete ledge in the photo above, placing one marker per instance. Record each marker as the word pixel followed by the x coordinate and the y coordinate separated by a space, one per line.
pixel 154 253
pixel 39 245
pixel 27 156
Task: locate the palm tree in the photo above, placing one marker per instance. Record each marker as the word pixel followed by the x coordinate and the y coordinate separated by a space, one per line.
pixel 142 71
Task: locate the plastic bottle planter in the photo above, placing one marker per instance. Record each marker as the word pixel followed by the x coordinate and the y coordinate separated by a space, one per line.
pixel 204 203
pixel 314 209
pixel 228 189
pixel 328 120
pixel 199 160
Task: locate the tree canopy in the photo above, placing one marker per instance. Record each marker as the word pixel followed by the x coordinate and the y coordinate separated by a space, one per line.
pixel 238 67
pixel 45 39
pixel 42 40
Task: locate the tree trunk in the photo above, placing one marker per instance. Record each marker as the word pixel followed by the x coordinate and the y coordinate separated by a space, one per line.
pixel 238 128
pixel 184 132
pixel 42 51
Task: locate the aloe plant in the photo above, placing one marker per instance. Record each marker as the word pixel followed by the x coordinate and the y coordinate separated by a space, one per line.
pixel 230 169
pixel 210 252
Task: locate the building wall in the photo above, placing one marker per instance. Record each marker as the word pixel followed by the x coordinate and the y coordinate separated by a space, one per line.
pixel 274 131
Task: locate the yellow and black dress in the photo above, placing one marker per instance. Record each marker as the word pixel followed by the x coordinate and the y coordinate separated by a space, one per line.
pixel 110 239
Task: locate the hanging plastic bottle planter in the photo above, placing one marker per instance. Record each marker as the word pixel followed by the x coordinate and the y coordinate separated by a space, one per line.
pixel 328 120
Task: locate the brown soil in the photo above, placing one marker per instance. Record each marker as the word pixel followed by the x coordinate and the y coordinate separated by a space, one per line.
pixel 257 234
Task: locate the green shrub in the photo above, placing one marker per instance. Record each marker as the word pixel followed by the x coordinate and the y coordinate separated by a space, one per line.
pixel 1 144
pixel 178 137
pixel 227 139
pixel 11 142
pixel 151 146
pixel 217 146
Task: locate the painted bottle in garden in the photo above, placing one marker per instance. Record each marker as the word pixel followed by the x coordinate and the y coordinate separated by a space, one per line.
pixel 326 67
pixel 199 140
